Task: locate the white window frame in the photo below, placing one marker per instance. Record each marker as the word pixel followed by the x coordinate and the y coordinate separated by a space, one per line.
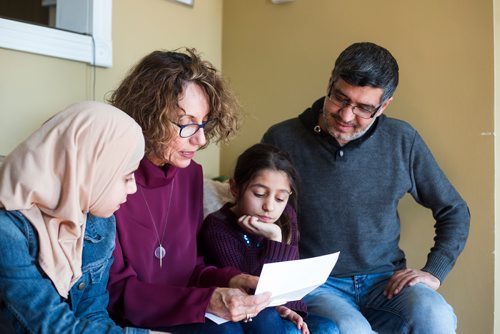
pixel 64 44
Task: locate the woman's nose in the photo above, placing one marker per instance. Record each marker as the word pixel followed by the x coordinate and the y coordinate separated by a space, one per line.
pixel 199 137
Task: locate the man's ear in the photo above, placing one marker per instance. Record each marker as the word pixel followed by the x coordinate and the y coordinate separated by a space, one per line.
pixel 233 188
pixel 384 105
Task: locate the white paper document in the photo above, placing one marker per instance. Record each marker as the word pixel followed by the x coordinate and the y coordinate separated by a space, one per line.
pixel 291 280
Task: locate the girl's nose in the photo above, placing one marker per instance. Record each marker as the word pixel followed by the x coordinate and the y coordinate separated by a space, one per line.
pixel 132 188
pixel 268 205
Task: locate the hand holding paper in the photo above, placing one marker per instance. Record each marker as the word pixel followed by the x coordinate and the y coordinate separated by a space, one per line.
pixel 292 280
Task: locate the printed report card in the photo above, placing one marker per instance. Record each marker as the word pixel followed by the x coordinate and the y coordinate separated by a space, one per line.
pixel 291 280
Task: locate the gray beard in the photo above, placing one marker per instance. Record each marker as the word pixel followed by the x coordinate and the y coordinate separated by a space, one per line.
pixel 345 139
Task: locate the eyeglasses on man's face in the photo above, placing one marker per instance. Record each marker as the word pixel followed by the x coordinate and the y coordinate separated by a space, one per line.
pixel 188 130
pixel 341 102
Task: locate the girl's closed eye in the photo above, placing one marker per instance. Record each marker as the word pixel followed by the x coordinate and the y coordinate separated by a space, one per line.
pixel 281 200
pixel 259 195
pixel 130 177
pixel 283 196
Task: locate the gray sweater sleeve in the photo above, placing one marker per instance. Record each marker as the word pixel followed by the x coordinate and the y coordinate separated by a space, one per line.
pixel 432 189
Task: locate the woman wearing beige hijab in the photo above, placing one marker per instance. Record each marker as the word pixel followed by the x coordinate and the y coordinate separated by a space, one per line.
pixel 58 191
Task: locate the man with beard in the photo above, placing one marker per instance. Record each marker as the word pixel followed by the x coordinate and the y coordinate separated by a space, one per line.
pixel 355 165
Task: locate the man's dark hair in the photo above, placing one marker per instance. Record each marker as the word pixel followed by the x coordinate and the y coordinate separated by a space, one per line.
pixel 367 64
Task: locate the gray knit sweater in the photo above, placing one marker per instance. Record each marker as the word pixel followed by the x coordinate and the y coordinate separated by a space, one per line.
pixel 348 196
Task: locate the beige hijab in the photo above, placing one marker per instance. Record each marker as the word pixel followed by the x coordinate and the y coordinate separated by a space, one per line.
pixel 62 172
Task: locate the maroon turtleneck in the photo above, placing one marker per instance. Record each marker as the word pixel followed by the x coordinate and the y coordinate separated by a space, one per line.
pixel 143 294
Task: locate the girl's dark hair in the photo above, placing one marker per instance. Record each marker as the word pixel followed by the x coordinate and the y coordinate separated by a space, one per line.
pixel 263 156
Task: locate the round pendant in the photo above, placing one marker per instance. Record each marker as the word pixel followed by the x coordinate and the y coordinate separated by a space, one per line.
pixel 160 252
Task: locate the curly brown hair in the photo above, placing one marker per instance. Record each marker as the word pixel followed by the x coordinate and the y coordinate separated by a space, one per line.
pixel 151 91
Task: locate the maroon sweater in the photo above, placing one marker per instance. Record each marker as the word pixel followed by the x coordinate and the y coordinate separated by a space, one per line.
pixel 225 244
pixel 143 294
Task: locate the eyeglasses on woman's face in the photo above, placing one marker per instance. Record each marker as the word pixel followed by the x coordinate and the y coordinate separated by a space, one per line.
pixel 189 129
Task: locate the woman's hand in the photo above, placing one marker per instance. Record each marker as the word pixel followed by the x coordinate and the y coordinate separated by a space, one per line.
pixel 235 305
pixel 253 225
pixel 244 282
pixel 294 317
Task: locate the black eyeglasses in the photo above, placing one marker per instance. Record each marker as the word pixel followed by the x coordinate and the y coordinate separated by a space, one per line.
pixel 187 130
pixel 361 111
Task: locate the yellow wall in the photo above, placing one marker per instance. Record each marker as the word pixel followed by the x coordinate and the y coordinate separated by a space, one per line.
pixel 279 57
pixel 496 13
pixel 33 87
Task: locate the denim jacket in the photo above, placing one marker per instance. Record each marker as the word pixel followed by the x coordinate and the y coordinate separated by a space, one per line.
pixel 29 303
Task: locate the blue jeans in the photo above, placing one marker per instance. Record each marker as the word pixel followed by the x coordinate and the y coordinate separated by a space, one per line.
pixel 316 324
pixel 357 304
pixel 267 321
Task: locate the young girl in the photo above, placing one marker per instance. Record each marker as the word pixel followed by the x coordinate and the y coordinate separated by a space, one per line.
pixel 59 189
pixel 261 226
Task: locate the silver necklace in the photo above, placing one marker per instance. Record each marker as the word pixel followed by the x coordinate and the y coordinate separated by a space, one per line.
pixel 160 251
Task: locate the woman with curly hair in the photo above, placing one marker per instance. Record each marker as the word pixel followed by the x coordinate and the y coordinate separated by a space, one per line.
pixel 158 279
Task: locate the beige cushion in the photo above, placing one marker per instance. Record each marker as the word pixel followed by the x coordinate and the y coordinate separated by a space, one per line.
pixel 215 195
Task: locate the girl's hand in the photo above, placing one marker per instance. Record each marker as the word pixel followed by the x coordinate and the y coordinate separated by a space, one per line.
pixel 253 225
pixel 294 317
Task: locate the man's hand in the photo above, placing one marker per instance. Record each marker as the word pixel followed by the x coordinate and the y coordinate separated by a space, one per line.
pixel 409 277
pixel 255 226
pixel 294 317
pixel 236 305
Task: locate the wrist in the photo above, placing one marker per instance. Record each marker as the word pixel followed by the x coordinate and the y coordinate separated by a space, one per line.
pixel 276 238
pixel 214 300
